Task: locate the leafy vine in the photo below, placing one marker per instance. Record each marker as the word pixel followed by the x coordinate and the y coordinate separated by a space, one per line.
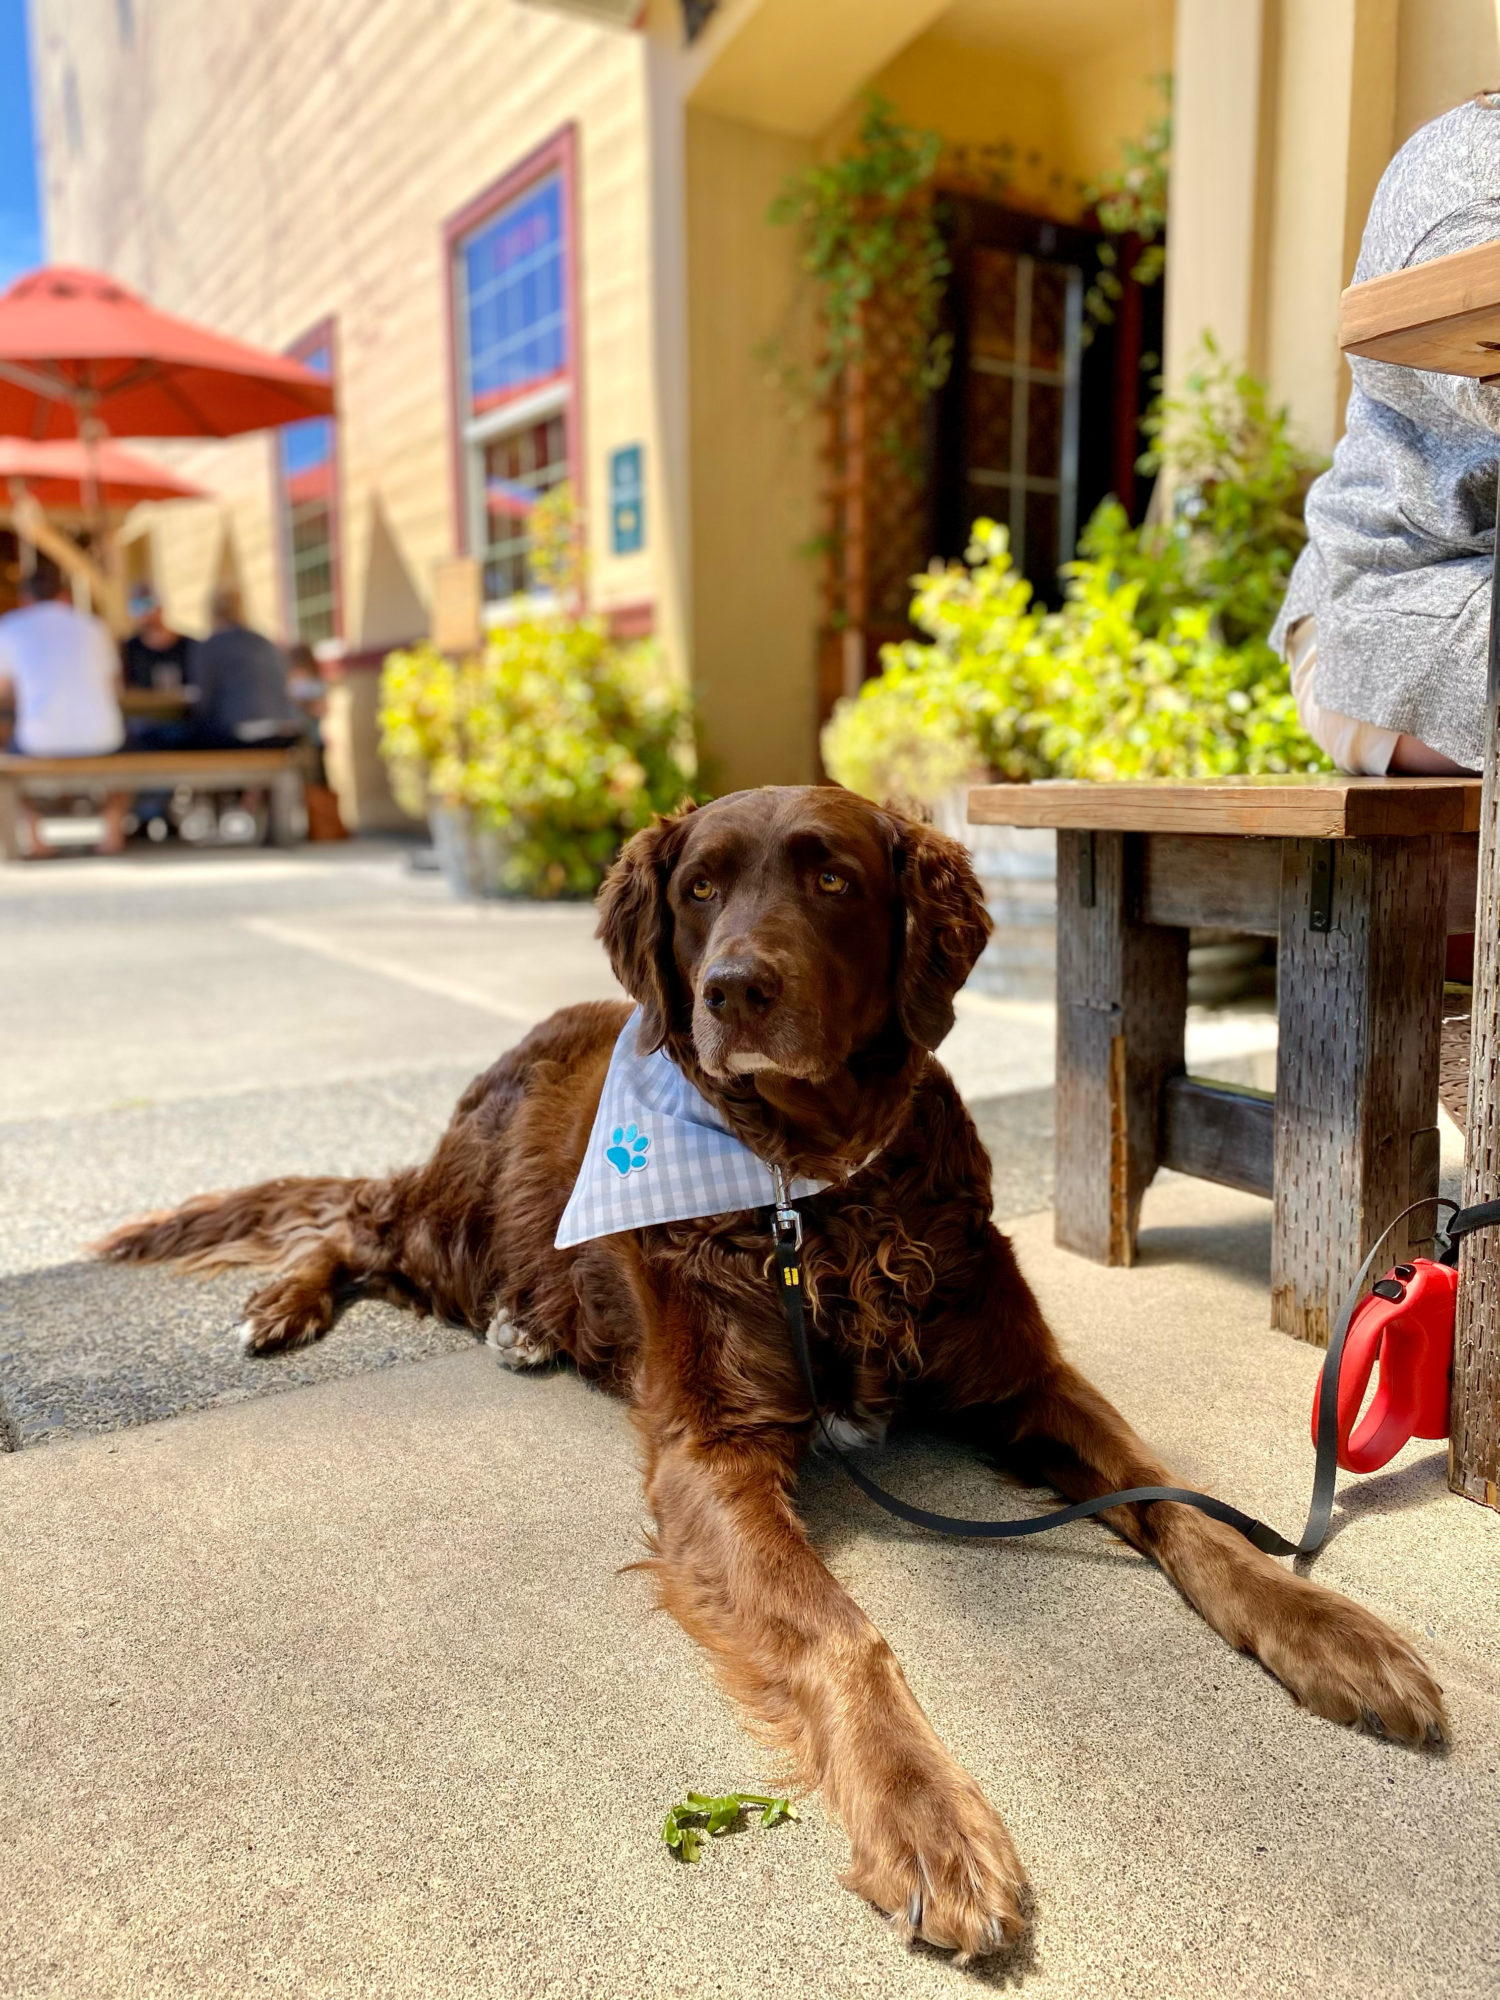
pixel 1131 201
pixel 871 225
pixel 868 228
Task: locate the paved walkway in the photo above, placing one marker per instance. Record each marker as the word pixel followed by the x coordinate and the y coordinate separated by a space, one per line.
pixel 337 1688
pixel 343 1692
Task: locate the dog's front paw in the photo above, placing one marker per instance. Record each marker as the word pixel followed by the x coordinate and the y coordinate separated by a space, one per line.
pixel 939 1860
pixel 515 1346
pixel 1340 1661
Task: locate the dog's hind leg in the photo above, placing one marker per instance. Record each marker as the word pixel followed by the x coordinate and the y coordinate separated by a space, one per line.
pixel 323 1235
pixel 302 1304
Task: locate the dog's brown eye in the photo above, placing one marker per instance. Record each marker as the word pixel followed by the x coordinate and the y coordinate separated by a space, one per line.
pixel 832 883
pixel 701 890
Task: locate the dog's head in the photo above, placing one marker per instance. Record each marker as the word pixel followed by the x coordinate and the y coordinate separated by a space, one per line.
pixel 788 930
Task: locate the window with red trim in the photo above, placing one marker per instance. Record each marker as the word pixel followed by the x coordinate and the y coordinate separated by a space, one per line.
pixel 514 340
pixel 307 483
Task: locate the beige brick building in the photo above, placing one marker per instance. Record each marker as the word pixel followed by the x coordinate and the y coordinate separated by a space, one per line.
pixel 528 238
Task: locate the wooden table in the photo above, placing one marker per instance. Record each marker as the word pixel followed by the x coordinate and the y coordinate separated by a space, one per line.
pixel 1444 316
pixel 157 704
pixel 1360 880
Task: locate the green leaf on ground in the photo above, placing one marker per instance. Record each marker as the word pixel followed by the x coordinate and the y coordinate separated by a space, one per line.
pixel 681 1830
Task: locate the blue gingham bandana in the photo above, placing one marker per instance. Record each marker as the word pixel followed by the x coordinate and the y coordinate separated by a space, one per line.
pixel 660 1152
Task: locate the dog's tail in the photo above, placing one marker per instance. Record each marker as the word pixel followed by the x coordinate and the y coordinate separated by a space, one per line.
pixel 266 1224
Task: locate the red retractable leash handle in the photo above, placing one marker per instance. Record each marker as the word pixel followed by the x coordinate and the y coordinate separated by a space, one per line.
pixel 1406 1325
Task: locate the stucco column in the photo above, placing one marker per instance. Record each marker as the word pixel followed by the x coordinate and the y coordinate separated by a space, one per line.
pixel 1334 133
pixel 1285 120
pixel 670 482
pixel 1217 198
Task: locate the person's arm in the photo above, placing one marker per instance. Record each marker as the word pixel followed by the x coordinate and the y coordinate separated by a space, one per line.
pixel 109 660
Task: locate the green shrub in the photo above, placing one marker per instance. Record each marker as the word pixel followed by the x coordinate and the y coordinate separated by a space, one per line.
pixel 564 740
pixel 558 737
pixel 1235 478
pixel 973 699
pixel 1157 664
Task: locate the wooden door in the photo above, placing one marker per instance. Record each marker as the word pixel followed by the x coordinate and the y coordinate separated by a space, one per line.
pixel 1034 425
pixel 1039 418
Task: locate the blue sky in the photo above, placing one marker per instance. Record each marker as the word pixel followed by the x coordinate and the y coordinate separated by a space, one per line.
pixel 20 226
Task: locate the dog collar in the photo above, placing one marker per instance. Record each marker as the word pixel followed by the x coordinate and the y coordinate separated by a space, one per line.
pixel 660 1152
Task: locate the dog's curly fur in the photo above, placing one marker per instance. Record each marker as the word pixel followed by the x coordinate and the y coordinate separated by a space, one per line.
pixel 796 953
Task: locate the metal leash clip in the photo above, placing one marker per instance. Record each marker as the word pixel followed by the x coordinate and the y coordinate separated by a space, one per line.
pixel 788 1219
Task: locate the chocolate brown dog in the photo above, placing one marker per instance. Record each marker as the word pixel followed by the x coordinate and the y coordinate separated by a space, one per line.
pixel 796 953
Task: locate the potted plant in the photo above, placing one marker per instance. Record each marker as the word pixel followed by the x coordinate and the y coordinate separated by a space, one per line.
pixel 1156 664
pixel 535 758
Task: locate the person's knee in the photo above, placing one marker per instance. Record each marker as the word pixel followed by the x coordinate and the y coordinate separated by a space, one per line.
pixel 1412 758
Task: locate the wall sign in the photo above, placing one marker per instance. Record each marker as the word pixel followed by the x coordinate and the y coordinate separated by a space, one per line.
pixel 627 499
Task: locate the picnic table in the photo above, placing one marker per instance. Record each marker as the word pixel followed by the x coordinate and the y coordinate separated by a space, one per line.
pixel 280 772
pixel 1445 316
pixel 156 704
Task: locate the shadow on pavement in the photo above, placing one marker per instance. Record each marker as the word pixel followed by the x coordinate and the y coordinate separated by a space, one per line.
pixel 87 1348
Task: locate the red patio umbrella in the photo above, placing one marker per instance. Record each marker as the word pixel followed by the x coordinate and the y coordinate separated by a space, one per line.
pixel 79 350
pixel 57 474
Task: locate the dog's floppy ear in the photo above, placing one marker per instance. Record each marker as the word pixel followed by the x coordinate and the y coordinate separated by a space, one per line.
pixel 635 924
pixel 946 927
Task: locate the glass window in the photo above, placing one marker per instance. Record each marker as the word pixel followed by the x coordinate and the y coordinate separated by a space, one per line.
pixel 518 468
pixel 514 300
pixel 512 314
pixel 308 475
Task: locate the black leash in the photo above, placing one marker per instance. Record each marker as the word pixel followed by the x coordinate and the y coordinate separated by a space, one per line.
pixel 787 1228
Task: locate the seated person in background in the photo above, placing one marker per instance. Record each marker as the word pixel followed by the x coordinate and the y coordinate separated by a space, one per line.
pixel 1386 620
pixel 309 691
pixel 241 680
pixel 305 682
pixel 154 656
pixel 62 674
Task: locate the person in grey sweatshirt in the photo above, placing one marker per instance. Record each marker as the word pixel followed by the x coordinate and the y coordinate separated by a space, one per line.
pixel 1385 624
pixel 241 680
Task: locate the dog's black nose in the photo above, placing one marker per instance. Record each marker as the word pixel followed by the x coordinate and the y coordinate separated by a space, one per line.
pixel 740 989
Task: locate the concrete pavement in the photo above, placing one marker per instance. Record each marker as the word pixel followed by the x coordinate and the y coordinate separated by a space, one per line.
pixel 343 1692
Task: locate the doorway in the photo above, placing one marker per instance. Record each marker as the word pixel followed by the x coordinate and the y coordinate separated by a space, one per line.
pixel 1036 422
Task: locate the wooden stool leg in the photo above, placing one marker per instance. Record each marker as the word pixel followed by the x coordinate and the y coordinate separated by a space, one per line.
pixel 1474 1447
pixel 1363 930
pixel 10 820
pixel 1121 1009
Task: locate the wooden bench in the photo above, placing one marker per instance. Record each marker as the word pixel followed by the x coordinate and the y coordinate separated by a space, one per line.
pixel 283 773
pixel 1360 880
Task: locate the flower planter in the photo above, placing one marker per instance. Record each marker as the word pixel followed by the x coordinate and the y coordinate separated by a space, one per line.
pixel 471 853
pixel 1017 867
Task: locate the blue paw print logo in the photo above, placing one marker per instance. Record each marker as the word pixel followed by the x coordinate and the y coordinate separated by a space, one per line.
pixel 627 1151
